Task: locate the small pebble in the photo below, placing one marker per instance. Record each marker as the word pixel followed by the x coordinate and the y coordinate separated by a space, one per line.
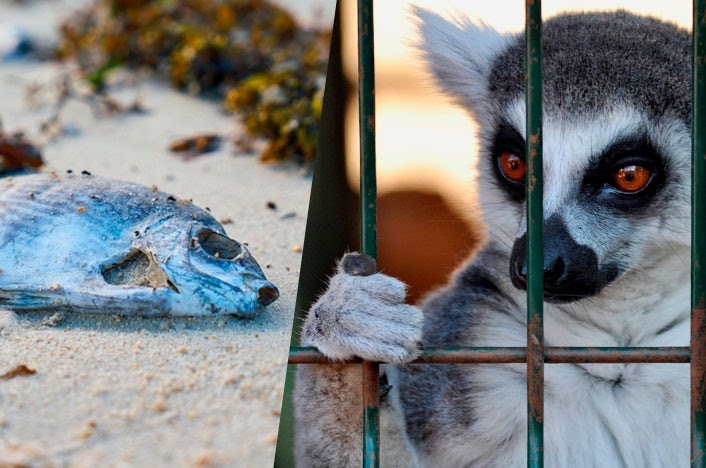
pixel 159 406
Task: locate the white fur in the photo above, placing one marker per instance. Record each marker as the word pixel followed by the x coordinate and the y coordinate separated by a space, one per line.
pixel 459 53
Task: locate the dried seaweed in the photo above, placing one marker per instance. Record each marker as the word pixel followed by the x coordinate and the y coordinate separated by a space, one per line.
pixel 64 89
pixel 196 145
pixel 17 153
pixel 18 371
pixel 253 54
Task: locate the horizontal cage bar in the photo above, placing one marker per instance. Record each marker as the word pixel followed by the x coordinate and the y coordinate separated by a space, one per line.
pixel 508 355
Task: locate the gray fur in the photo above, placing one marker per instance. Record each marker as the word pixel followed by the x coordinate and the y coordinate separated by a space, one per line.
pixel 608 77
pixel 593 61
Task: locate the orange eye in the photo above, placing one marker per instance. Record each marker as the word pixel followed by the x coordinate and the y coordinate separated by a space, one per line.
pixel 512 167
pixel 631 178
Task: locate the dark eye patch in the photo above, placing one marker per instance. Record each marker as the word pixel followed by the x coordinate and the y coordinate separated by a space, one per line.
pixel 599 183
pixel 507 140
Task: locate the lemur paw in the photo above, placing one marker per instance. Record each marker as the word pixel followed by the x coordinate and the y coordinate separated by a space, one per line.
pixel 362 313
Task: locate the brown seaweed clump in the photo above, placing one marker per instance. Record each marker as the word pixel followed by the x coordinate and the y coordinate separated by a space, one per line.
pixel 254 55
pixel 17 153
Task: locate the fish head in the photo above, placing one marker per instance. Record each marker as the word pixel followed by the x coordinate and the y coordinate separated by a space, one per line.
pixel 213 271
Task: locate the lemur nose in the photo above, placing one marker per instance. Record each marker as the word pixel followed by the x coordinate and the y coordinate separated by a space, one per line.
pixel 570 270
pixel 554 269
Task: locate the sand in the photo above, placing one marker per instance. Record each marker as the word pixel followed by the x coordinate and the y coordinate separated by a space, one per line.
pixel 128 391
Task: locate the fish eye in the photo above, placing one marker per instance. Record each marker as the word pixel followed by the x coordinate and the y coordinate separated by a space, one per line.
pixel 512 167
pixel 631 178
pixel 218 245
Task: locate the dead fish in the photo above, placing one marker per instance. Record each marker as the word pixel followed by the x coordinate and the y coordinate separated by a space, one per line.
pixel 91 244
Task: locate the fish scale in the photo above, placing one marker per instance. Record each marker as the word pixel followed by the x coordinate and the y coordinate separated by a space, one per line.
pixel 91 244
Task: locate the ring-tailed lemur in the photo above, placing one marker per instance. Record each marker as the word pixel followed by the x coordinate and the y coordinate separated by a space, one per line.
pixel 617 242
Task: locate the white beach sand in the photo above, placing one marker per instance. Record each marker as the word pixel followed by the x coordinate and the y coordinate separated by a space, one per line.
pixel 111 391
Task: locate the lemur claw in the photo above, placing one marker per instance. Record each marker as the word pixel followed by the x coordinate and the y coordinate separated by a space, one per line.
pixel 359 264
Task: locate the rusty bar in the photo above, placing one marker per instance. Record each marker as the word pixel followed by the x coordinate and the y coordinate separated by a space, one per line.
pixel 698 233
pixel 441 355
pixel 506 355
pixel 535 243
pixel 368 213
pixel 664 355
pixel 468 355
pixel 311 355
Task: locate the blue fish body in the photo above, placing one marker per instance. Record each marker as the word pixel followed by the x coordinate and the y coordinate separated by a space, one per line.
pixel 91 244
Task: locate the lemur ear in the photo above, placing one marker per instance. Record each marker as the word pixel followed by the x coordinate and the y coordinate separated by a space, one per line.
pixel 459 55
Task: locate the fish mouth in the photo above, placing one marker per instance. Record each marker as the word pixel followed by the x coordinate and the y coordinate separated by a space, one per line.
pixel 221 248
pixel 267 294
pixel 261 294
pixel 244 299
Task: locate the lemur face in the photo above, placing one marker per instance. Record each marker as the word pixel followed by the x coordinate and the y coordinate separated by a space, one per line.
pixel 616 144
pixel 616 185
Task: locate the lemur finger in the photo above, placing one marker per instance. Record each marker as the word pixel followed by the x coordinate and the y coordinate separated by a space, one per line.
pixel 382 317
pixel 364 328
pixel 378 286
pixel 371 349
pixel 387 322
pixel 393 353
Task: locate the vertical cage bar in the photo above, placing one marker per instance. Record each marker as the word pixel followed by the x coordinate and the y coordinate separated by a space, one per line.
pixel 368 208
pixel 371 417
pixel 535 244
pixel 698 235
pixel 366 98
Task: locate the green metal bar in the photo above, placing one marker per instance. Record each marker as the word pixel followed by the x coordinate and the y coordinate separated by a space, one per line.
pixel 368 212
pixel 371 416
pixel 366 102
pixel 698 233
pixel 507 355
pixel 535 244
